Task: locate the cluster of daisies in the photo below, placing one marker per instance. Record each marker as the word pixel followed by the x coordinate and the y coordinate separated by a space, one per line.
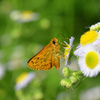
pixel 87 52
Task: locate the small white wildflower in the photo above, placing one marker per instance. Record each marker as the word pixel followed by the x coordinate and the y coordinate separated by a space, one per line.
pixel 89 61
pixel 23 80
pixel 25 16
pixel 90 94
pixel 68 49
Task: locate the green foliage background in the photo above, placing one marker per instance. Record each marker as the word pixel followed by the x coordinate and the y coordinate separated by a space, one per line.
pixel 69 17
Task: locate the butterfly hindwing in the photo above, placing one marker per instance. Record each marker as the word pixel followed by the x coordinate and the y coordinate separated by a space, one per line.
pixel 56 62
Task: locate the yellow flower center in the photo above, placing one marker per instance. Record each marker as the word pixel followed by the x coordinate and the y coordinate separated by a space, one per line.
pixel 27 15
pixel 91 60
pixel 21 77
pixel 88 37
pixel 66 50
pixel 27 12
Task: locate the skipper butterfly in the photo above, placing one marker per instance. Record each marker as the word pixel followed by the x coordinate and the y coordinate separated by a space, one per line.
pixel 47 57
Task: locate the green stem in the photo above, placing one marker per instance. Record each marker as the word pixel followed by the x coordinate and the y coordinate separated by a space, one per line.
pixel 84 78
pixel 79 72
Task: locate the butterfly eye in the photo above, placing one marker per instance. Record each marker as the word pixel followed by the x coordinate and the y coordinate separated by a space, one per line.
pixel 37 57
pixel 53 42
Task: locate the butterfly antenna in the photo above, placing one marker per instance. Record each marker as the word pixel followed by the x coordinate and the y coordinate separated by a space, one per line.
pixel 61 34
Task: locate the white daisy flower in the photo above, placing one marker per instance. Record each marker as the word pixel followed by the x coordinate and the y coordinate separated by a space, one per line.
pixel 23 80
pixel 95 27
pixel 63 96
pixel 89 37
pixel 2 71
pixel 25 16
pixel 89 61
pixel 90 94
pixel 68 49
pixel 16 59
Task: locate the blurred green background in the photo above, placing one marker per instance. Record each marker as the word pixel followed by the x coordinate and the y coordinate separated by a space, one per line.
pixel 19 41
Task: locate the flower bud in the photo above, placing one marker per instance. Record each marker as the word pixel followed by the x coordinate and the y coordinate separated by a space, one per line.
pixel 95 27
pixel 66 82
pixel 63 82
pixel 73 79
pixel 66 71
pixel 74 74
pixel 77 74
pixel 69 84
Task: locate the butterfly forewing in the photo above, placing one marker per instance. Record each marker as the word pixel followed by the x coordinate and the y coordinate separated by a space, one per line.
pixel 46 58
pixel 41 63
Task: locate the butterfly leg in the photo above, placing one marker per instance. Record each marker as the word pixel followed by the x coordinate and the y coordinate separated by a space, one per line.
pixel 61 54
pixel 61 57
pixel 66 45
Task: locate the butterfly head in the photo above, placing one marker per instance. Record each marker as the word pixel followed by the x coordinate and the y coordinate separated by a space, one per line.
pixel 54 41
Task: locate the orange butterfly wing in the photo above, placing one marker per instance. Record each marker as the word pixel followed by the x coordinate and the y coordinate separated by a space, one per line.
pixel 46 58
